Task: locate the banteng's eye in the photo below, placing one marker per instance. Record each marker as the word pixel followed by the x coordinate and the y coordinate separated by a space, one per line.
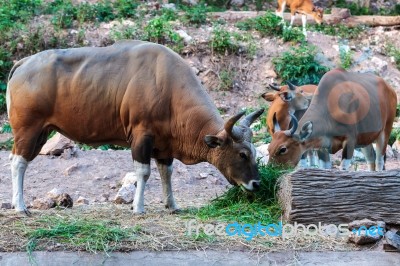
pixel 282 150
pixel 243 155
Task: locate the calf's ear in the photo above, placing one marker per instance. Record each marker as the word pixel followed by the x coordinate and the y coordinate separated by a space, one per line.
pixel 213 141
pixel 269 96
pixel 306 131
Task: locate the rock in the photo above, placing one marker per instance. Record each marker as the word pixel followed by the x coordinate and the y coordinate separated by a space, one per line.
pixel 190 2
pixel 129 178
pixel 358 155
pixel 125 194
pixel 389 152
pixel 270 73
pixel 262 153
pixel 43 204
pixel 341 13
pixel 238 3
pixel 186 38
pixel 396 146
pixel 55 193
pixel 56 145
pixel 5 205
pixel 202 175
pixel 60 198
pixel 113 185
pixel 380 65
pixel 169 6
pixel 365 222
pixel 393 238
pixel 65 200
pixel 363 238
pixel 71 169
pixel 82 201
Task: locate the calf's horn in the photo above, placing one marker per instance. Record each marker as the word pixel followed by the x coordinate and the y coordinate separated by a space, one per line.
pixel 291 86
pixel 275 87
pixel 293 129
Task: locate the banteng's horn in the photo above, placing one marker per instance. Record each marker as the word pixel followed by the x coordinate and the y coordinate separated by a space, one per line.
pixel 291 86
pixel 250 118
pixel 293 129
pixel 234 132
pixel 275 87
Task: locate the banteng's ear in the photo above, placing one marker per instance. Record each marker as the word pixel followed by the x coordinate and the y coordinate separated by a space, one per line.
pixel 269 96
pixel 286 96
pixel 213 141
pixel 306 131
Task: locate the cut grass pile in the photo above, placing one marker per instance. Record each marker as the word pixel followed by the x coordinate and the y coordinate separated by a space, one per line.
pixel 81 234
pixel 243 207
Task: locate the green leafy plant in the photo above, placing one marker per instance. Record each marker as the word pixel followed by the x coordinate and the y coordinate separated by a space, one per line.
pixel 222 41
pixel 196 15
pixel 391 50
pixel 293 35
pixel 299 64
pixel 346 58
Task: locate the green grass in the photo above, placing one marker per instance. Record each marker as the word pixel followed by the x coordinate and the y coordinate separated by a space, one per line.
pixel 244 207
pixel 82 234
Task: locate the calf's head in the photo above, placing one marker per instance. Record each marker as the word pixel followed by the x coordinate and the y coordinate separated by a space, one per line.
pixel 289 94
pixel 286 146
pixel 233 153
pixel 317 13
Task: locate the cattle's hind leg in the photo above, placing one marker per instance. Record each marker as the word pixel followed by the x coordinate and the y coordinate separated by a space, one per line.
pixel 165 169
pixel 380 151
pixel 141 154
pixel 27 145
pixel 369 154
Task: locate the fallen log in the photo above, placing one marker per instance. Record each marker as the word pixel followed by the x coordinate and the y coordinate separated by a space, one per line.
pixel 373 21
pixel 309 196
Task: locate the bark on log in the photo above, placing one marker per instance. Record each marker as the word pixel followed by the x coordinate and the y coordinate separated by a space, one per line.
pixel 309 196
pixel 352 21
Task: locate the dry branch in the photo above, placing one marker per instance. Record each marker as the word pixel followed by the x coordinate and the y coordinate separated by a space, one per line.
pixel 352 21
pixel 310 196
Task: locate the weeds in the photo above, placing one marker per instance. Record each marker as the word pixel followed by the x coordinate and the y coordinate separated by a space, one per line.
pixel 243 207
pixel 299 64
pixel 339 30
pixel 392 51
pixel 222 41
pixel 196 15
pixel 226 80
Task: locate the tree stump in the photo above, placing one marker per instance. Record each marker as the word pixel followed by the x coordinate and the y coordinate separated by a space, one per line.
pixel 309 196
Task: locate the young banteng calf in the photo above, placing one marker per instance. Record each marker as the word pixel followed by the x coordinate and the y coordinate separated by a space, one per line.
pixel 303 7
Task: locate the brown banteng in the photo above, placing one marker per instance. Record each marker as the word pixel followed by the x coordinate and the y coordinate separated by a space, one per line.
pixel 348 110
pixel 292 100
pixel 304 7
pixel 134 94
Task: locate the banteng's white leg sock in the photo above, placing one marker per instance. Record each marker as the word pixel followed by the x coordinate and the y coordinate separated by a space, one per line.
pixel 142 172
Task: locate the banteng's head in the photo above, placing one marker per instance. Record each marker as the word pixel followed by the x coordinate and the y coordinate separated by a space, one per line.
pixel 233 153
pixel 286 146
pixel 289 94
pixel 317 14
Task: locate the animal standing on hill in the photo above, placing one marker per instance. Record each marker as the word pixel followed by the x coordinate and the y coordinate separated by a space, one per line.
pixel 303 7
pixel 134 94
pixel 348 110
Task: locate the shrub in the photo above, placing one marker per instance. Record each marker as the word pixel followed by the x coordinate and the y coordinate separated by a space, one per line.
pixel 222 41
pixel 196 15
pixel 125 8
pixel 226 80
pixel 299 64
pixel 269 24
pixel 160 31
pixel 346 58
